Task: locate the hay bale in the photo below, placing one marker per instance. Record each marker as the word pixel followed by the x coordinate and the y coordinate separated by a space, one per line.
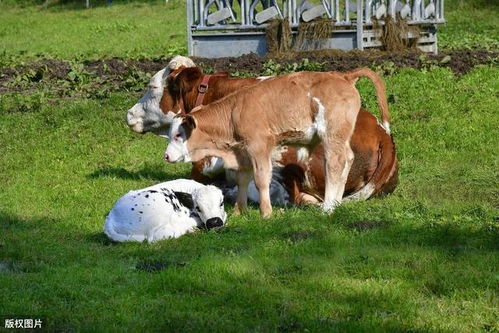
pixel 394 34
pixel 278 35
pixel 312 35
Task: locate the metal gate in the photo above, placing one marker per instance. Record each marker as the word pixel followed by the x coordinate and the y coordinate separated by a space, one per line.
pixel 224 28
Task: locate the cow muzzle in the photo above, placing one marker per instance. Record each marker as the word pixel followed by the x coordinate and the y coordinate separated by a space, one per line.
pixel 214 222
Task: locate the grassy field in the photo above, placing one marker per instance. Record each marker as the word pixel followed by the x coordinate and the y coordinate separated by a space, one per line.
pixel 153 29
pixel 424 259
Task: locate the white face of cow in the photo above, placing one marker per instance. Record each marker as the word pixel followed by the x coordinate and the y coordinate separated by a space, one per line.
pixel 209 206
pixel 146 115
pixel 176 150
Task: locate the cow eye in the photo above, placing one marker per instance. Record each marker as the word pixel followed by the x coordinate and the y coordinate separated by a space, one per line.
pixel 178 136
pixel 198 209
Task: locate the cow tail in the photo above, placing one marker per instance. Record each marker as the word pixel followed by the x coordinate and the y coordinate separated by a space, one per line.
pixel 385 178
pixel 379 85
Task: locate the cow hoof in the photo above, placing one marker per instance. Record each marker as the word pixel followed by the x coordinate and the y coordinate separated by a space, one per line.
pixel 266 215
pixel 328 207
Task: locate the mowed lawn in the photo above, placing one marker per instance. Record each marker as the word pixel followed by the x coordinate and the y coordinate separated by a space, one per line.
pixel 422 259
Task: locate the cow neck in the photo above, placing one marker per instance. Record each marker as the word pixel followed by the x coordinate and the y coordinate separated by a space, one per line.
pixel 203 87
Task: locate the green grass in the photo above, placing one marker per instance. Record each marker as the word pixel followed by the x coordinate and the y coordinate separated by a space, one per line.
pixel 134 29
pixel 470 24
pixel 423 259
pixel 429 264
pixel 153 29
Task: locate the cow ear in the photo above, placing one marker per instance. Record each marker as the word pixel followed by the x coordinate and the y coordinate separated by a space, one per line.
pixel 189 122
pixel 186 79
pixel 185 199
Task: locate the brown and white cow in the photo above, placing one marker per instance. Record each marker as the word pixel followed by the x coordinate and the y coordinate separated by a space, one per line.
pixel 303 109
pixel 375 166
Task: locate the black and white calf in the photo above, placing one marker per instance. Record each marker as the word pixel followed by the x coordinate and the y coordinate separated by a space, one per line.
pixel 166 210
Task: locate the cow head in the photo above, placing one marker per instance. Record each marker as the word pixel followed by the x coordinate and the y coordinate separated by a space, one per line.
pixel 180 92
pixel 209 206
pixel 180 131
pixel 146 115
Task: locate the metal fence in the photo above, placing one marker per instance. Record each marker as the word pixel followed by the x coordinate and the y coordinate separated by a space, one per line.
pixel 218 28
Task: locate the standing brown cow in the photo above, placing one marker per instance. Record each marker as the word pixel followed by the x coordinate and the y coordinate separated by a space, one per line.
pixel 301 108
pixel 374 170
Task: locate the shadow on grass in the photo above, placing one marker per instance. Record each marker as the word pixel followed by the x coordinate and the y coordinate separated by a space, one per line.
pixel 148 172
pixel 260 268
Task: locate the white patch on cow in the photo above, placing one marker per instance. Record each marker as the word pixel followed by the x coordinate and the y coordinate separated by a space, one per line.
pixel 263 78
pixel 176 150
pixel 157 212
pixel 363 194
pixel 320 120
pixel 385 126
pixel 146 115
pixel 276 155
pixel 302 154
pixel 178 61
pixel 209 204
pixel 329 207
pixel 214 167
pixel 318 127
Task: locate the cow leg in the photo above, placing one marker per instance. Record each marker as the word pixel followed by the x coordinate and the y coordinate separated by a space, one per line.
pixel 262 172
pixel 338 161
pixel 306 199
pixel 243 178
pixel 338 155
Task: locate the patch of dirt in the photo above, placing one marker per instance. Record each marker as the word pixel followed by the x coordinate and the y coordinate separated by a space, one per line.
pixel 460 62
pixel 61 77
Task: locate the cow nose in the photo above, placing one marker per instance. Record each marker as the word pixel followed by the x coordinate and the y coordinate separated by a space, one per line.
pixel 167 158
pixel 214 222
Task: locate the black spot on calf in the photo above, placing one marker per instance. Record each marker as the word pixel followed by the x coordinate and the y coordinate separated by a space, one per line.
pixel 185 199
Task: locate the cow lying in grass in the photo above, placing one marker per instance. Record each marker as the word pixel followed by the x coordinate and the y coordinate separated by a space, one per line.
pixel 166 210
pixel 146 115
pixel 301 109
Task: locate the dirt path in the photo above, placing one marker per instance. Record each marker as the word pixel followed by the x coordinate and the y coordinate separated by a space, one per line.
pixel 62 77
